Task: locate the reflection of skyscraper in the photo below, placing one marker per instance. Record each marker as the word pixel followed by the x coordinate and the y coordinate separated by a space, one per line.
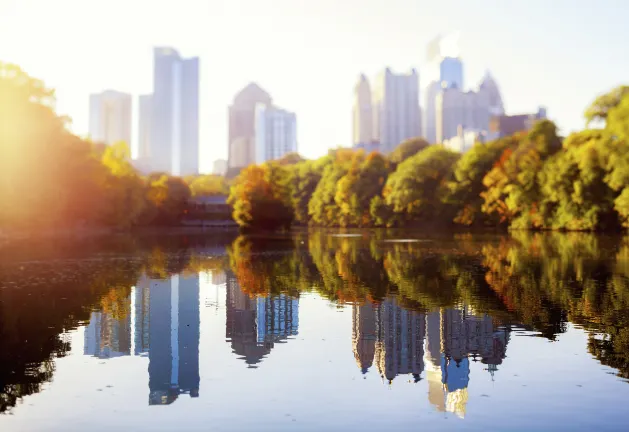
pixel 141 311
pixel 454 336
pixel 364 335
pixel 400 345
pixel 174 339
pixel 254 325
pixel 107 336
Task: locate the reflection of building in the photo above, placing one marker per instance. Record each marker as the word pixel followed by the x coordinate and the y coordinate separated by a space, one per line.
pixel 107 336
pixel 174 339
pixel 442 343
pixel 254 325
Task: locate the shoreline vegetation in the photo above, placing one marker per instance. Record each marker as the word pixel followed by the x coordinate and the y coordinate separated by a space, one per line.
pixel 52 181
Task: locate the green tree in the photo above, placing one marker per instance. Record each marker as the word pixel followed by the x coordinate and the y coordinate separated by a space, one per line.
pixel 406 149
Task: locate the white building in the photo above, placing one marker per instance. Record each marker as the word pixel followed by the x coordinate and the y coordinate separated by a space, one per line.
pixel 430 112
pixel 110 117
pixel 396 108
pixel 468 109
pixel 464 140
pixel 219 167
pixel 174 131
pixel 275 133
pixel 362 113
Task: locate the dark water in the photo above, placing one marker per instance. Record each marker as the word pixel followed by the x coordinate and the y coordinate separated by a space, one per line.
pixel 317 331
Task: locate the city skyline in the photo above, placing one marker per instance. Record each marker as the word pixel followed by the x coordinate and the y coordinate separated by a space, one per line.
pixel 536 71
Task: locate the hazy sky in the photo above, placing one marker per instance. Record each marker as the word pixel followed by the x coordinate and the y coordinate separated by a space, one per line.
pixel 308 53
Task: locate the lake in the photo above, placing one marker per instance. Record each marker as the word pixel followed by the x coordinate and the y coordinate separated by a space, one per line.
pixel 315 331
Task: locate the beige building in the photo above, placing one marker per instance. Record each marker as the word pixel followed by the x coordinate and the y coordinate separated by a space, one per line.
pixel 242 125
pixel 110 117
pixel 363 113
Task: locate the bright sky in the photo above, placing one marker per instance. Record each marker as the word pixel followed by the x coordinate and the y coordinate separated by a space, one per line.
pixel 308 53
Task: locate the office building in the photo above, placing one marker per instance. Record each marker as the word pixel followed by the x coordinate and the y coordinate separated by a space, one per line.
pixel 242 125
pixel 506 125
pixel 470 110
pixel 110 117
pixel 275 133
pixel 174 129
pixel 464 139
pixel 451 72
pixel 219 167
pixel 362 113
pixel 396 111
pixel 430 112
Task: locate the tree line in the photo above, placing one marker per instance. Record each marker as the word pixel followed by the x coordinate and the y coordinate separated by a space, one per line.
pixel 51 178
pixel 531 180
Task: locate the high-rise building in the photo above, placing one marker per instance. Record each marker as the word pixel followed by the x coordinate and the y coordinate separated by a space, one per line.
pixel 144 126
pixel 275 133
pixel 363 113
pixel 396 108
pixel 451 72
pixel 242 123
pixel 110 117
pixel 470 110
pixel 174 131
pixel 430 112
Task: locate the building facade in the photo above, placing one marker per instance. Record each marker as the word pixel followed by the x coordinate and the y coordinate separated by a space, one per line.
pixel 396 112
pixel 451 72
pixel 219 167
pixel 362 113
pixel 505 125
pixel 174 129
pixel 275 133
pixel 110 117
pixel 242 123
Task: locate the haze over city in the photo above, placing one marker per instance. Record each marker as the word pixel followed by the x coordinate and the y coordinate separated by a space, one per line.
pixel 308 55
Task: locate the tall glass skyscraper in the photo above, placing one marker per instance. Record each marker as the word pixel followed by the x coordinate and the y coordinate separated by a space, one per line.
pixel 451 72
pixel 174 136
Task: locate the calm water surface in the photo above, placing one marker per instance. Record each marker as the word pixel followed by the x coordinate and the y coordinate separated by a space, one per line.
pixel 316 331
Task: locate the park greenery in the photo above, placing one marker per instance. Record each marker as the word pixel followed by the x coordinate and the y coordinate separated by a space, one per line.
pixel 50 178
pixel 532 180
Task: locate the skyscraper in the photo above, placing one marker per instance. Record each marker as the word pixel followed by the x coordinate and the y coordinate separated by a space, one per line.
pixel 174 136
pixel 396 108
pixel 242 122
pixel 110 117
pixel 275 133
pixel 363 113
pixel 451 72
pixel 144 127
pixel 430 112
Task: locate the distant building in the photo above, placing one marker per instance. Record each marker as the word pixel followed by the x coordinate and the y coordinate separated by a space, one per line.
pixel 242 125
pixel 362 112
pixel 506 125
pixel 451 72
pixel 219 167
pixel 174 128
pixel 430 112
pixel 369 147
pixel 144 131
pixel 464 140
pixel 396 111
pixel 110 117
pixel 275 133
pixel 471 110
